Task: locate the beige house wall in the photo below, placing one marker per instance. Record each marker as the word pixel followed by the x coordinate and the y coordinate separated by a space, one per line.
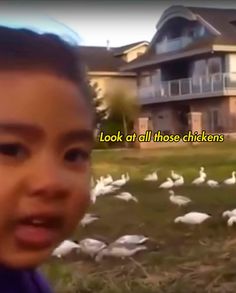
pixel 110 84
pixel 230 63
pixel 134 53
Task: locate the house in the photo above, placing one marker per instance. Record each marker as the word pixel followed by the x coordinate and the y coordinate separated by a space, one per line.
pixel 187 78
pixel 103 66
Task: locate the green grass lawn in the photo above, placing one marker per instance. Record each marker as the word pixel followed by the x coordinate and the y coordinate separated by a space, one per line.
pixel 186 260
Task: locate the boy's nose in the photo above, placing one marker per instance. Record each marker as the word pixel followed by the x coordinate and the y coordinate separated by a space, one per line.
pixel 49 179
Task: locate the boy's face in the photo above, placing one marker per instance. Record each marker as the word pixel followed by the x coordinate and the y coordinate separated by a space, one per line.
pixel 45 145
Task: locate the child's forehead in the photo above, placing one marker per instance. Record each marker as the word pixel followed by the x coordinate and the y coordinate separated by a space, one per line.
pixel 19 84
pixel 33 78
pixel 39 96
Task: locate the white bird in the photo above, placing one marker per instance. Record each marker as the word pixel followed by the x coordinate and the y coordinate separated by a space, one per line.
pixel 65 248
pixel 126 196
pixel 179 181
pixel 231 180
pixel 212 183
pixel 178 199
pixel 88 219
pixel 229 213
pixel 132 239
pixel 91 246
pixel 231 220
pixel 122 181
pixel 107 180
pixel 167 184
pixel 192 218
pixel 151 177
pixel 119 250
pixel 199 180
pixel 174 175
pixel 201 172
pixel 107 189
pixel 96 191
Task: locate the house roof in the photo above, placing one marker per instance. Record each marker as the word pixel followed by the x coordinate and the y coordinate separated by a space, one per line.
pixel 150 58
pixel 103 59
pixel 124 49
pixel 100 59
pixel 220 19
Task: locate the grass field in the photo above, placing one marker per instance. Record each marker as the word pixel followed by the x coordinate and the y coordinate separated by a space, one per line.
pixel 185 260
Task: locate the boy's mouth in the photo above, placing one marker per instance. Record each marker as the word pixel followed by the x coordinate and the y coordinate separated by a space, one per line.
pixel 38 231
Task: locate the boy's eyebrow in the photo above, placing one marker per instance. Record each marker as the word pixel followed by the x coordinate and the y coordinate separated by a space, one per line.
pixel 20 128
pixel 35 131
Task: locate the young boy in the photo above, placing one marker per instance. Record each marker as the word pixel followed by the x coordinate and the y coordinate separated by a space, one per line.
pixel 46 137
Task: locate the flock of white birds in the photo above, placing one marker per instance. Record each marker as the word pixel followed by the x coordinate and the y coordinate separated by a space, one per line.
pixel 128 245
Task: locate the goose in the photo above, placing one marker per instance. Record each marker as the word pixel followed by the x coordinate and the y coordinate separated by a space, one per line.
pixel 91 246
pixel 192 218
pixel 122 181
pixel 107 180
pixel 93 197
pixel 229 213
pixel 65 247
pixel 151 177
pixel 231 221
pixel 167 184
pixel 212 183
pixel 126 196
pixel 96 191
pixel 174 175
pixel 199 180
pixel 178 199
pixel 119 250
pixel 201 172
pixel 132 239
pixel 231 180
pixel 107 189
pixel 179 181
pixel 88 219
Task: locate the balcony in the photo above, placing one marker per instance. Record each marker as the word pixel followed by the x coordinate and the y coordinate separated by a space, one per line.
pixel 189 88
pixel 173 44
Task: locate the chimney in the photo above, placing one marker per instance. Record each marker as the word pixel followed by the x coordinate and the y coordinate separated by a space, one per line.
pixel 108 45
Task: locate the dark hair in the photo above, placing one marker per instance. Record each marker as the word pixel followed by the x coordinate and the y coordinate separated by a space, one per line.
pixel 23 49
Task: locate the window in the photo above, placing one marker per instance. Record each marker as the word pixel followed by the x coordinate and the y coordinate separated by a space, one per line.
pixel 199 70
pixel 214 121
pixel 214 65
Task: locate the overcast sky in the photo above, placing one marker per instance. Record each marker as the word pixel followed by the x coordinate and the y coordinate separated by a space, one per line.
pixel 95 22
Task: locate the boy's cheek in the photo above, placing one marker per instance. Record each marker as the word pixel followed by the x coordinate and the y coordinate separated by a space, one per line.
pixel 78 207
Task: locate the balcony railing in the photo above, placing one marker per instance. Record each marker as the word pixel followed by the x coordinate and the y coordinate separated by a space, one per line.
pixel 203 86
pixel 173 44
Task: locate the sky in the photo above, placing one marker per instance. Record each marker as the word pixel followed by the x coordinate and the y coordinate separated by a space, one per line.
pixel 93 23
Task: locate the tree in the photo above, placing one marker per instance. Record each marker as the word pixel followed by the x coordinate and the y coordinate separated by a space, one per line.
pixel 98 102
pixel 124 107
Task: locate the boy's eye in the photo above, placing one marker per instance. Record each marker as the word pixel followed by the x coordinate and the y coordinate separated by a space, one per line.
pixel 13 150
pixel 76 155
